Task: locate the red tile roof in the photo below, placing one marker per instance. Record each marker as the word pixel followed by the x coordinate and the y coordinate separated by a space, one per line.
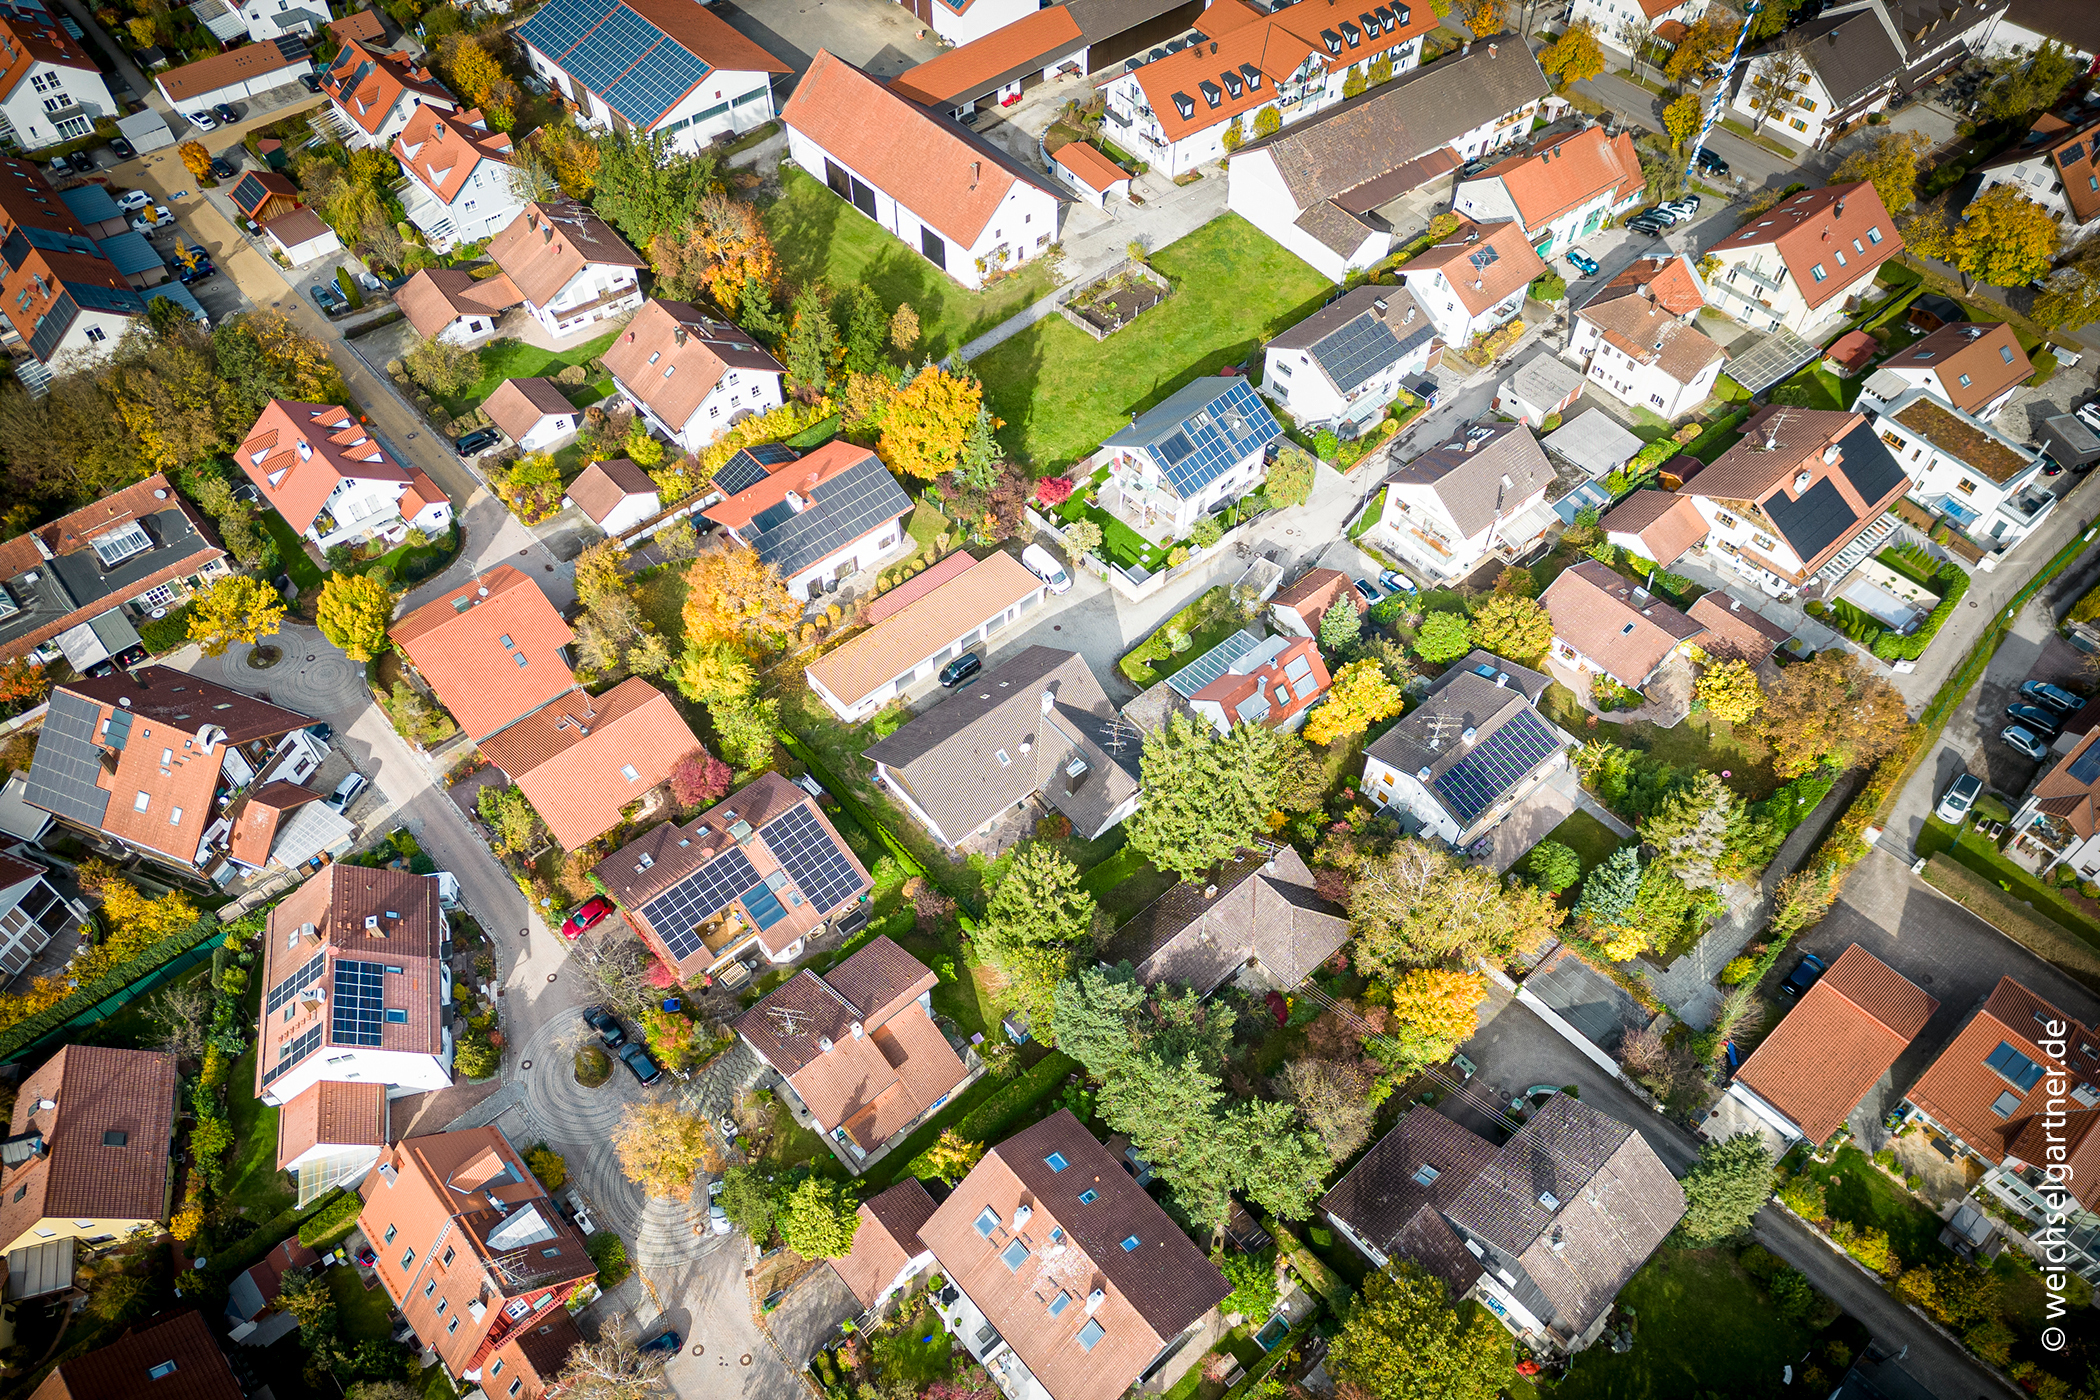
pixel 672 355
pixel 802 475
pixel 1515 263
pixel 1734 631
pixel 967 69
pixel 388 77
pixel 1271 684
pixel 332 1113
pixel 298 453
pixel 604 485
pixel 1667 524
pixel 1314 593
pixel 1987 355
pixel 897 599
pixel 886 1240
pixel 248 62
pixel 437 296
pixel 1097 170
pixel 441 149
pixel 256 816
pixel 2062 795
pixel 1816 229
pixel 31 43
pixel 518 405
pixel 123 1370
pixel 106 1139
pixel 267 184
pixel 1833 1047
pixel 1565 175
pixel 1598 612
pixel 1670 282
pixel 457 642
pixel 571 757
pixel 551 242
pixel 960 606
pixel 536 1353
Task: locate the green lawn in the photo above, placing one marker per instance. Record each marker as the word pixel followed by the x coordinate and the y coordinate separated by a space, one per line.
pixel 819 235
pixel 514 359
pixel 1061 393
pixel 411 563
pixel 251 1179
pixel 1697 742
pixel 1120 544
pixel 291 552
pixel 1981 854
pixel 1825 390
pixel 1372 513
pixel 917 1351
pixel 1866 1197
pixel 360 1312
pixel 1588 838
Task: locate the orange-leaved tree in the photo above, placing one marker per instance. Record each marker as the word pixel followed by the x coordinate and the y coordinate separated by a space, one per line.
pixel 927 423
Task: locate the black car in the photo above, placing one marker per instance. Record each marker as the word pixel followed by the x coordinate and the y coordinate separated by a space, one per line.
pixel 1647 224
pixel 123 149
pixel 2045 722
pixel 608 1026
pixel 322 731
pixel 480 440
pixel 2051 697
pixel 225 113
pixel 961 669
pixel 639 1064
pixel 1711 164
pixel 222 169
pixel 311 82
pixel 1804 975
pixel 198 273
pixel 664 1346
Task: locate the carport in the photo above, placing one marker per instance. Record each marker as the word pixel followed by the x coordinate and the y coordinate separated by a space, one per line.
pixel 146 131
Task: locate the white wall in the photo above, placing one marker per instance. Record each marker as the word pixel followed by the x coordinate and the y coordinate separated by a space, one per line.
pixel 468 330
pixel 562 316
pixel 740 394
pixel 1608 16
pixel 1806 120
pixel 401 1071
pixel 863 553
pixel 1436 296
pixel 1644 386
pixel 980 19
pixel 631 512
pixel 267 19
pixel 551 428
pixel 1296 381
pixel 239 91
pixel 323 245
pixel 726 100
pixel 1393 788
pixel 484 206
pixel 1938 476
pixel 362 508
pixel 28 108
pixel 1256 192
pixel 1737 297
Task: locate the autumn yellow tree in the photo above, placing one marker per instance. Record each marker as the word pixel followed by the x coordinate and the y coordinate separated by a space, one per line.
pixel 714 674
pixel 1830 709
pixel 1891 162
pixel 1483 17
pixel 1730 691
pixel 144 32
pixel 661 1149
pixel 195 159
pixel 572 156
pixel 1511 625
pixel 173 398
pixel 1362 694
pixel 927 423
pixel 1711 36
pixel 137 921
pixel 1437 1005
pixel 732 597
pixel 475 71
pixel 236 608
pixel 299 361
pixel 733 249
pixel 949 1159
pixel 354 612
pixel 1576 55
pixel 1682 119
pixel 2004 239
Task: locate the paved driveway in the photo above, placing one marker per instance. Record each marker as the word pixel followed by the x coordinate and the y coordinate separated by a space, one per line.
pixel 873 34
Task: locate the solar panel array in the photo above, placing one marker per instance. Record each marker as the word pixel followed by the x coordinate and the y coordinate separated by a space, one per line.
pixel 852 504
pixel 307 1042
pixel 639 70
pixel 1357 351
pixel 360 997
pixel 2087 766
pixel 1496 764
pixel 812 859
pixel 1237 426
pixel 678 912
pixel 298 982
pixel 2072 154
pixel 62 775
pixel 749 467
pixel 1484 258
pixel 1212 664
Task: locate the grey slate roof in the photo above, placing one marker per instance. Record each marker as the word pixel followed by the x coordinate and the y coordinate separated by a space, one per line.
pixel 1594 441
pixel 1104 19
pixel 1545 379
pixel 1379 1197
pixel 849 505
pixel 947 759
pixel 1334 226
pixel 1431 736
pixel 1470 483
pixel 1360 333
pixel 1396 122
pixel 76 579
pixel 1265 907
pixel 1201 431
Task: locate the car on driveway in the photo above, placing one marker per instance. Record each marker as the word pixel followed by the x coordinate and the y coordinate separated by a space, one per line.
pixel 222 169
pixel 717 1218
pixel 1364 590
pixel 960 669
pixel 639 1064
pixel 1685 208
pixel 665 1346
pixel 1582 262
pixel 588 915
pixel 581 1214
pixel 226 114
pixel 202 121
pixel 1393 581
pixel 332 303
pixel 2047 723
pixel 608 1026
pixel 2025 741
pixel 310 81
pixel 2089 414
pixel 2052 697
pixel 1805 975
pixel 346 792
pixel 480 440
pixel 146 220
pixel 1960 798
pixel 122 149
pixel 1043 564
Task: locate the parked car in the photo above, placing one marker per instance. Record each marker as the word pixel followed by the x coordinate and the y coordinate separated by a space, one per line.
pixel 1711 164
pixel 960 669
pixel 1960 798
pixel 222 169
pixel 131 201
pixel 1393 581
pixel 2089 414
pixel 1685 208
pixel 122 149
pixel 202 121
pixel 580 1213
pixel 2024 741
pixel 1043 564
pixel 639 1064
pixel 665 1346
pixel 1651 222
pixel 310 81
pixel 2047 723
pixel 322 730
pixel 1582 262
pixel 146 220
pixel 2054 697
pixel 608 1026
pixel 202 270
pixel 589 915
pixel 346 792
pixel 1365 591
pixel 80 162
pixel 225 112
pixel 480 440
pixel 1805 974
pixel 717 1218
pixel 333 304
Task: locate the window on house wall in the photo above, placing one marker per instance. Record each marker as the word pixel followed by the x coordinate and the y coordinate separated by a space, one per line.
pixel 1965 486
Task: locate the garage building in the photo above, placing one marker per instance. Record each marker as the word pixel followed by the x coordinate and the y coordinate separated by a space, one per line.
pixel 236 75
pixel 1083 36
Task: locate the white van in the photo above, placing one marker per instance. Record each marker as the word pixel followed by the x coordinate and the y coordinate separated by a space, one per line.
pixel 1043 564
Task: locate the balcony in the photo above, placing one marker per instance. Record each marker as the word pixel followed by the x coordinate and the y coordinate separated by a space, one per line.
pixel 1741 272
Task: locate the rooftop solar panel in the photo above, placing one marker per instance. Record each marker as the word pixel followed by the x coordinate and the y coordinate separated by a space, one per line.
pixel 821 871
pixel 1495 765
pixel 1869 465
pixel 298 982
pixel 1212 664
pixel 679 911
pixel 1815 521
pixel 62 774
pixel 850 505
pixel 2087 766
pixel 308 1042
pixel 360 996
pixel 1356 351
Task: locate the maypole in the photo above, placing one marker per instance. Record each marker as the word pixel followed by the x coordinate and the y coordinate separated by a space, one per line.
pixel 1713 114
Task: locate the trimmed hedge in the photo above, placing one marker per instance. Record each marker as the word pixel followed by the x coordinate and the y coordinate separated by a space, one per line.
pixel 2015 918
pixel 332 1222
pixel 161 635
pixel 1954 580
pixel 988 1120
pixel 1331 1286
pixel 25 1033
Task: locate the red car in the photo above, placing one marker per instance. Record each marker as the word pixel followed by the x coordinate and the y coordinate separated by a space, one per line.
pixel 590 915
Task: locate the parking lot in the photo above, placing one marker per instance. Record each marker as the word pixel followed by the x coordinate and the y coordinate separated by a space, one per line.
pixel 873 34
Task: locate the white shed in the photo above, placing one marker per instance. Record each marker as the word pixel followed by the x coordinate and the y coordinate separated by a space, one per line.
pixel 146 130
pixel 1092 174
pixel 234 76
pixel 302 237
pixel 616 495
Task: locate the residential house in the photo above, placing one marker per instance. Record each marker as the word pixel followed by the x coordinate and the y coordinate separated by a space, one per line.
pixel 144 758
pixel 1065 1280
pixel 1659 526
pixel 582 759
pixel 2028 24
pixel 1595 444
pixel 1474 280
pixel 265 20
pixel 1477 496
pixel 1538 389
pixel 1990 486
pixel 1347 361
pixel 1472 751
pixel 1545 1229
pixel 1638 342
pixel 252 1295
pixel 859 1049
pixel 2059 818
pixel 533 413
pixel 1563 189
pixel 2058 168
pixel 1179 106
pixel 1039 726
pixel 453 305
pixel 1800 499
pixel 887 1251
pixel 1065 40
pixel 332 1134
pixel 73 586
pixel 1968 367
pixel 1607 625
pixel 50 90
pixel 569 267
pixel 478 1257
pixel 354 991
pixel 659 67
pixel 689 375
pixel 372 95
pixel 1618 22
pixel 1258 917
pixel 176 1347
pixel 359 26
pixel 492 650
pixel 281 823
pixel 262 195
pixel 87 1153
pixel 32 913
pixel 908 646
pixel 322 470
pixel 1298 610
pixel 1855 59
pixel 615 495
pixel 1735 631
pixel 1272 684
pixel 1317 186
pixel 816 520
pixel 2018 1090
pixel 1092 175
pixel 966 205
pixel 758 873
pixel 1804 1079
pixel 461 186
pixel 1800 263
pixel 235 75
pixel 301 238
pixel 1187 455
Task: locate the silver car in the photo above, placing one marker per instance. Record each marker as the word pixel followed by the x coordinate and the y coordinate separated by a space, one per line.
pixel 1959 799
pixel 347 791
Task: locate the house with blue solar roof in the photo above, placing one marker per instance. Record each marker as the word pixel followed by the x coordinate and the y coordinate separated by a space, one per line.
pixel 1476 751
pixel 816 519
pixel 1344 363
pixel 1189 454
pixel 662 67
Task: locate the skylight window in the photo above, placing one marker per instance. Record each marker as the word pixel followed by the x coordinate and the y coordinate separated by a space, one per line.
pixel 987 1222
pixel 1088 1197
pixel 1874 234
pixel 1090 1334
pixel 1425 1174
pixel 1818 273
pixel 161 1372
pixel 1014 1254
pixel 1056 1162
pixel 1058 1304
pixel 2012 1066
pixel 2006 1104
pixel 121 543
pixel 1130 1242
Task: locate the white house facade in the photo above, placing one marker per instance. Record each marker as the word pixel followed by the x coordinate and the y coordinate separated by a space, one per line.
pixel 568 266
pixel 1801 263
pixel 1559 192
pixel 1347 361
pixel 691 376
pixel 50 90
pixel 1480 494
pixel 458 183
pixel 1616 20
pixel 1201 446
pixel 1989 485
pixel 1474 280
pixel 2058 168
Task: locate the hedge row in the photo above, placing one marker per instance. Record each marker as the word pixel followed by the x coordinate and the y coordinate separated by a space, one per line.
pixel 1331 1286
pixel 25 1033
pixel 1890 647
pixel 988 1120
pixel 2015 918
pixel 330 1224
pixel 852 808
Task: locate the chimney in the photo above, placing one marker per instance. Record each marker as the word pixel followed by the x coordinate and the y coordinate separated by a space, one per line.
pixel 1049 701
pixel 1210 891
pixel 1425 772
pixel 1491 52
pixel 824 1044
pixel 678 336
pixel 1468 736
pixel 1378 307
pixel 976 166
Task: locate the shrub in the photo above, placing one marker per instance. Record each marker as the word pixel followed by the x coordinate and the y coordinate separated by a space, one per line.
pixel 162 635
pixel 332 1221
pixel 472 1055
pixel 1737 971
pixel 593 1066
pixel 609 1252
pixel 549 1166
pixel 1054 490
